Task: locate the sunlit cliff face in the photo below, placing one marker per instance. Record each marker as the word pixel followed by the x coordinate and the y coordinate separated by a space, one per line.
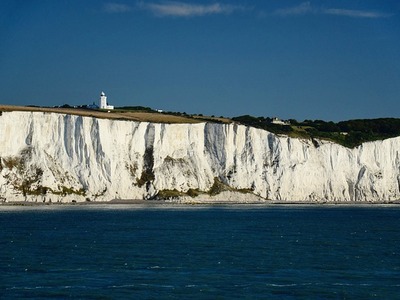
pixel 61 158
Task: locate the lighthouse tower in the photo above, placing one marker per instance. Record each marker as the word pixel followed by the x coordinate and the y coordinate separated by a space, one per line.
pixel 103 102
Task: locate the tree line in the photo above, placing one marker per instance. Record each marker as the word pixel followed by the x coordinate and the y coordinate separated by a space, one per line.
pixel 349 133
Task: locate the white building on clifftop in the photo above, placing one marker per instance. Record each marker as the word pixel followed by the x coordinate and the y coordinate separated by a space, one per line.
pixel 103 102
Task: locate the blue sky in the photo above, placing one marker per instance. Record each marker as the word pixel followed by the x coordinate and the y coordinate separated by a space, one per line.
pixel 331 60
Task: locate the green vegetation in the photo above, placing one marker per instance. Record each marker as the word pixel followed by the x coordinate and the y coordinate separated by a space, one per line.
pixel 68 191
pixel 26 189
pixel 147 174
pixel 12 162
pixel 27 179
pixel 263 123
pixel 169 194
pixel 193 192
pixel 134 108
pixel 217 188
pixel 350 133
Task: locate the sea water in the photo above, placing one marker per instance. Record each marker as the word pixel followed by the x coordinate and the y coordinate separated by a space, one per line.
pixel 206 252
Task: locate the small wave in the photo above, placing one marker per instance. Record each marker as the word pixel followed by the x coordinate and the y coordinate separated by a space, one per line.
pixel 121 286
pixel 281 285
pixel 167 286
pixel 45 287
pixel 27 287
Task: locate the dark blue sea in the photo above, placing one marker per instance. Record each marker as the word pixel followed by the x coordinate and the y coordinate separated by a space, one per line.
pixel 209 252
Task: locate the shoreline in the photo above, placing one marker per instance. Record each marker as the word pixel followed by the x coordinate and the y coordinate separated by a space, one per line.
pixel 155 203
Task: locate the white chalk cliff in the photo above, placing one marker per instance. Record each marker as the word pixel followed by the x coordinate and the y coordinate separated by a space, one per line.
pixel 60 158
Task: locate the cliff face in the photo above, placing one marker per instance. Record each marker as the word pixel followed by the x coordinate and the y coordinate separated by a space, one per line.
pixel 55 157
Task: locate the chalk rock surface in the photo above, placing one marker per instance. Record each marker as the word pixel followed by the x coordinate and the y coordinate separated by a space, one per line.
pixel 61 158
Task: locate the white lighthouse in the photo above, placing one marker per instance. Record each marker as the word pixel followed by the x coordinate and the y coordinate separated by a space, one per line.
pixel 103 102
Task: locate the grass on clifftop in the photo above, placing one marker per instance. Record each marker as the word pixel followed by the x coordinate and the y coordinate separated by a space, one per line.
pixel 116 114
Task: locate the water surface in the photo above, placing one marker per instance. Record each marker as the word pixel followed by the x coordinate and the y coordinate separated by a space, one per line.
pixel 177 252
